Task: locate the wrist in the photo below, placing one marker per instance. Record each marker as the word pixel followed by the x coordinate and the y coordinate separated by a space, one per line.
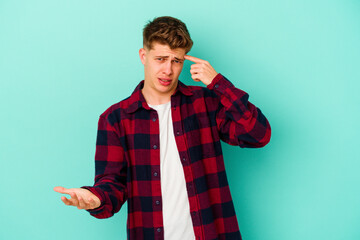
pixel 214 81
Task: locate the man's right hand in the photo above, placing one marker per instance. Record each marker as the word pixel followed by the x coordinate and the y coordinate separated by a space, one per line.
pixel 80 198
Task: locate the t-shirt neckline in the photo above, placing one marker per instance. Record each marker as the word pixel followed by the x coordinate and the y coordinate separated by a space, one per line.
pixel 159 106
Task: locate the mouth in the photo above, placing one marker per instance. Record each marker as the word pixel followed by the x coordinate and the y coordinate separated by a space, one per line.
pixel 165 81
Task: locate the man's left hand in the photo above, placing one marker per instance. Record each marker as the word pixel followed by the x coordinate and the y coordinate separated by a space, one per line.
pixel 201 70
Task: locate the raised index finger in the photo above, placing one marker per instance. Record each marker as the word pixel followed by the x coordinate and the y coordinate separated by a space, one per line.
pixel 194 59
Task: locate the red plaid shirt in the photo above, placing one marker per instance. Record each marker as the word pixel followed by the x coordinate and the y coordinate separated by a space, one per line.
pixel 127 158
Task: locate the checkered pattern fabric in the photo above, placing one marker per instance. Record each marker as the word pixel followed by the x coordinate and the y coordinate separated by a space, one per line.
pixel 127 158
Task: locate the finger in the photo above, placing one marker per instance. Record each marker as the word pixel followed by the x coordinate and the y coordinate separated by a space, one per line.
pixel 92 203
pixel 74 199
pixel 197 66
pixel 82 204
pixel 196 77
pixel 194 59
pixel 61 190
pixel 65 200
pixel 194 71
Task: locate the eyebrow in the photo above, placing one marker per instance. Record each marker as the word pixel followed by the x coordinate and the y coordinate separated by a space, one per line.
pixel 168 57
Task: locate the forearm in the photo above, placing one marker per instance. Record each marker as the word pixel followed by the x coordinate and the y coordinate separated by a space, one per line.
pixel 110 170
pixel 239 121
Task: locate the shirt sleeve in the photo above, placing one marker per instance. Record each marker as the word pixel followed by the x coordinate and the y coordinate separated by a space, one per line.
pixel 238 121
pixel 110 170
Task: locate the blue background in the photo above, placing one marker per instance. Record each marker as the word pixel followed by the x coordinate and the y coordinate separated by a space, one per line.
pixel 62 63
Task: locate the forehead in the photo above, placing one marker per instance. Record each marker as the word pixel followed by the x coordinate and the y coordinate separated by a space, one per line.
pixel 165 50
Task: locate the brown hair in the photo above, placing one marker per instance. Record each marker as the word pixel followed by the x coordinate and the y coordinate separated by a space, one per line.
pixel 167 30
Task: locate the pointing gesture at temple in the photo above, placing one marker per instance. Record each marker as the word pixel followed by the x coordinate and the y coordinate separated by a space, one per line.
pixel 201 70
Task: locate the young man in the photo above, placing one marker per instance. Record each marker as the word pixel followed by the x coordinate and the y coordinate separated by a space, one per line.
pixel 160 149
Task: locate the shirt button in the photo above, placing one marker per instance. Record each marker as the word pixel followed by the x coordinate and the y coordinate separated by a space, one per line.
pixel 184 159
pixel 155 174
pixel 216 85
pixel 157 202
pixel 154 147
pixel 177 132
pixel 154 119
pixel 158 230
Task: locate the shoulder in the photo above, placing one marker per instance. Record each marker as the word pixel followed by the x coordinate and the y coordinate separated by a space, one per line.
pixel 115 112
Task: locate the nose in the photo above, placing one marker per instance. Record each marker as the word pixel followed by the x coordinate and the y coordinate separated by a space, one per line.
pixel 167 67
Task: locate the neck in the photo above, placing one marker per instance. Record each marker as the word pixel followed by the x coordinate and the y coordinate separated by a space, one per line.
pixel 154 98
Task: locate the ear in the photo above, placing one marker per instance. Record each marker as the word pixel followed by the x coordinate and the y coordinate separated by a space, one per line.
pixel 142 55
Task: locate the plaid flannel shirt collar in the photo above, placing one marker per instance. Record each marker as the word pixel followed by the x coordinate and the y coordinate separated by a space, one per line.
pixel 137 100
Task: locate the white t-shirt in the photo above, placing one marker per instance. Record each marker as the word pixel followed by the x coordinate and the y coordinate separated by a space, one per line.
pixel 175 203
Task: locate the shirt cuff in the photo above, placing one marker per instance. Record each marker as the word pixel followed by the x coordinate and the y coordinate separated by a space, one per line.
pixel 219 83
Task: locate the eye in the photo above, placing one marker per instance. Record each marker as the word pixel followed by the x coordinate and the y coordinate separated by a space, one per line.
pixel 177 61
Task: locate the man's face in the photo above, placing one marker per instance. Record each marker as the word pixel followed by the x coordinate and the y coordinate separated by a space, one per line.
pixel 162 67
